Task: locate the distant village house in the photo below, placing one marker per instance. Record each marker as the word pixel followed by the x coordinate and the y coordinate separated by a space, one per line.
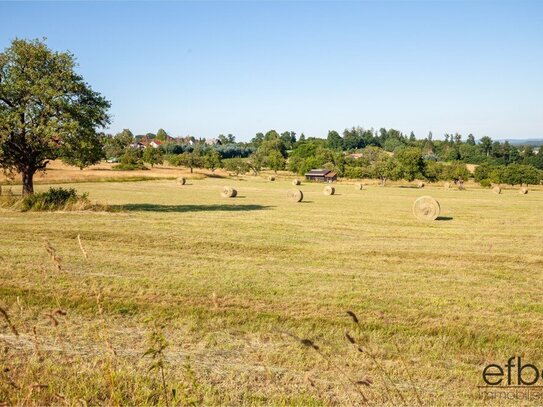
pixel 321 175
pixel 213 142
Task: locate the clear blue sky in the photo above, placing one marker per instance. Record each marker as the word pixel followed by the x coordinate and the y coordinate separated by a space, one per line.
pixel 204 68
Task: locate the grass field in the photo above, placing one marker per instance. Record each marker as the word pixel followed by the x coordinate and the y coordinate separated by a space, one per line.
pixel 232 283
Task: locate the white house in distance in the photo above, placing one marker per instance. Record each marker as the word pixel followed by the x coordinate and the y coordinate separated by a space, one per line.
pixel 144 143
pixel 154 144
pixel 213 142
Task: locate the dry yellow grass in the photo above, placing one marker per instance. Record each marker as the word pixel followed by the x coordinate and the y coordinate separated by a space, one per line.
pixel 231 283
pixel 59 172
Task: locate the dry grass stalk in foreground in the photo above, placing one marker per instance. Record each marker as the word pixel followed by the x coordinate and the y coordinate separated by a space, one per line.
pixel 157 346
pixel 215 300
pixel 381 368
pixel 81 246
pixel 8 321
pixel 52 254
pixel 308 343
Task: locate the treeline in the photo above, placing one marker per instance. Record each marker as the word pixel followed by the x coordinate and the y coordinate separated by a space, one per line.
pixel 357 153
pixel 452 148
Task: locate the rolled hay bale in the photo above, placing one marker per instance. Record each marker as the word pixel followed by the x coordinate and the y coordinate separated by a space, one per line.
pixel 296 182
pixel 447 185
pixel 420 185
pixel 358 186
pixel 497 189
pixel 295 195
pixel 229 192
pixel 271 178
pixel 426 208
pixel 523 190
pixel 461 187
pixel 329 190
pixel 181 181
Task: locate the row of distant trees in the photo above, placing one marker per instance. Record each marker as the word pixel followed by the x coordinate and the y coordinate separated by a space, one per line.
pixel 384 155
pixel 452 148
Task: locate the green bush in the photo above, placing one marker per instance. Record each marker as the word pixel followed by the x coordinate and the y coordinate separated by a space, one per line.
pixel 131 160
pixel 236 166
pixel 435 171
pixel 52 200
pixel 172 159
pixel 483 172
pixel 130 167
pixel 357 172
pixel 485 183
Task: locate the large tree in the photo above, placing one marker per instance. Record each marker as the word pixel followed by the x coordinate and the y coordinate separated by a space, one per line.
pixel 47 111
pixel 212 160
pixel 153 156
pixel 411 164
pixel 334 140
pixel 486 145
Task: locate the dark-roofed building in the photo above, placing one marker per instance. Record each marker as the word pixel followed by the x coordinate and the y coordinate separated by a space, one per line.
pixel 321 175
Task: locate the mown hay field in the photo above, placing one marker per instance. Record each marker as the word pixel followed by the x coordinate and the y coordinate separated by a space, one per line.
pixel 234 284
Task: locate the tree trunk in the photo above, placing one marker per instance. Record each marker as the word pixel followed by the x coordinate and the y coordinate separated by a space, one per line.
pixel 191 170
pixel 28 182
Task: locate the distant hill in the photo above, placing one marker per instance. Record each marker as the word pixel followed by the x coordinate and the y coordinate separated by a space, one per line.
pixel 536 142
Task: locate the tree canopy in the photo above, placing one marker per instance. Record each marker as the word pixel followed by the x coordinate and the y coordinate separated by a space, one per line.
pixel 47 111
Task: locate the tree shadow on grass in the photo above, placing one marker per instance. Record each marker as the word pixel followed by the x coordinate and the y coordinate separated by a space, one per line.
pixel 444 218
pixel 190 208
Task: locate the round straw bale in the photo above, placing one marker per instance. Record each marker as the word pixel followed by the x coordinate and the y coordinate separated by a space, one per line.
pixel 461 187
pixel 271 178
pixel 426 208
pixel 229 192
pixel 523 190
pixel 358 186
pixel 329 190
pixel 295 195
pixel 420 184
pixel 497 189
pixel 447 185
pixel 181 181
pixel 296 182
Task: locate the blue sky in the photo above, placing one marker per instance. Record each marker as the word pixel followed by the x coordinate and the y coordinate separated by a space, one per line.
pixel 205 68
